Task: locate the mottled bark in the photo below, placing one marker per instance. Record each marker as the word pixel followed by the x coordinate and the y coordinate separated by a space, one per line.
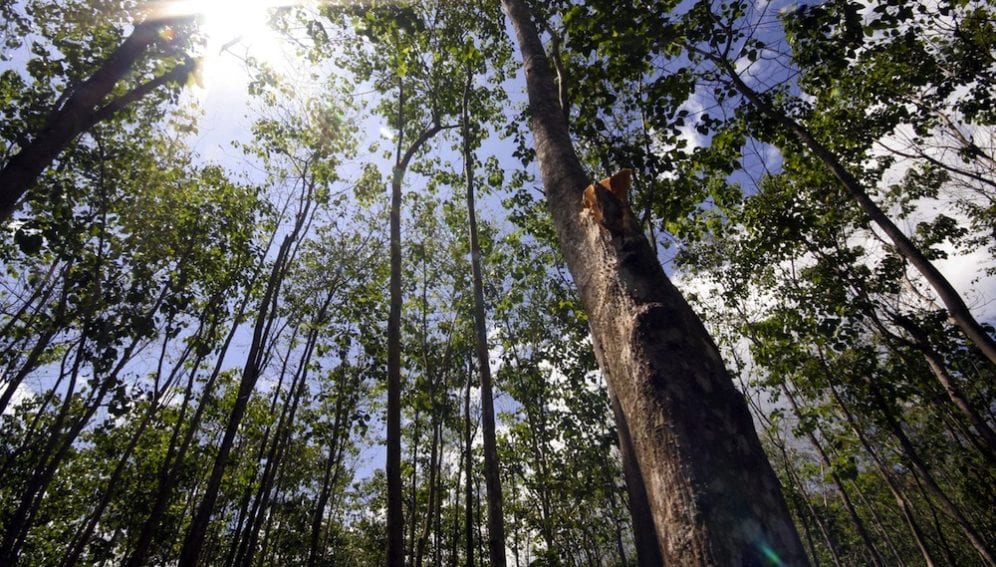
pixel 644 532
pixel 713 495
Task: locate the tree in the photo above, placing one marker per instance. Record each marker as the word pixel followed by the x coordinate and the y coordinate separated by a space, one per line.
pixel 89 101
pixel 660 363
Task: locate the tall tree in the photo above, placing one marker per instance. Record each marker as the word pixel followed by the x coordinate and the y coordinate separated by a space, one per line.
pixel 496 521
pixel 718 504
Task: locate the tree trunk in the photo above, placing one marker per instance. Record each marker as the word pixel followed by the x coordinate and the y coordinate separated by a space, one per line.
pixel 340 436
pixel 713 495
pixel 644 534
pixel 496 522
pixel 894 425
pixel 395 490
pixel 885 470
pixel 423 539
pixel 468 522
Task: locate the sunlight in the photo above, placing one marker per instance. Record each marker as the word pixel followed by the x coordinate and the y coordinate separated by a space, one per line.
pixel 228 24
pixel 227 21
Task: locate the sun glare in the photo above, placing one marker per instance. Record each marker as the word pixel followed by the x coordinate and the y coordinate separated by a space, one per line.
pixel 226 21
pixel 239 27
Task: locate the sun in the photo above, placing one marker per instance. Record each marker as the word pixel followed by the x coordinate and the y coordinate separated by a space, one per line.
pixel 228 21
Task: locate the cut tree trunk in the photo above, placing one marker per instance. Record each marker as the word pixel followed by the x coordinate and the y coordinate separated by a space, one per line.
pixel 712 493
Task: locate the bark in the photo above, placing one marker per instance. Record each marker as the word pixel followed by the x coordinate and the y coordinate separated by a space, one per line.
pixel 644 533
pixel 413 484
pixel 905 247
pixel 80 111
pixel 468 522
pixel 496 522
pixel 713 495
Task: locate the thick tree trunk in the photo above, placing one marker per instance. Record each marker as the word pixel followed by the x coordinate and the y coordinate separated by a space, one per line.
pixel 644 532
pixel 496 522
pixel 713 495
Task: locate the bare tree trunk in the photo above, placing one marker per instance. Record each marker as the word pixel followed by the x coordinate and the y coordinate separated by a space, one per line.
pixel 713 495
pixel 648 553
pixel 468 523
pixel 423 539
pixel 395 490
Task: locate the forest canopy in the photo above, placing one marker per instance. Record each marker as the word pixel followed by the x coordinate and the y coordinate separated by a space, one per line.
pixel 336 283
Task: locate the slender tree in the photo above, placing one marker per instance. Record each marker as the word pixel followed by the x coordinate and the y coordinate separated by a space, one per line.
pixel 496 522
